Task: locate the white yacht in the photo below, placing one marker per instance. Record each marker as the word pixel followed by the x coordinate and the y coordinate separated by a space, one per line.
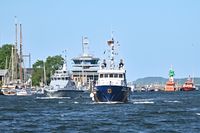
pixel 62 85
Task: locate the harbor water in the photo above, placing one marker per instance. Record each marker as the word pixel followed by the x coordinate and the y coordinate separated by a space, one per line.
pixel 146 112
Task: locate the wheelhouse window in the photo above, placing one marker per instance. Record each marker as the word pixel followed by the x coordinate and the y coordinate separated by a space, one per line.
pixel 111 75
pixel 120 76
pixel 63 78
pixel 115 75
pixel 101 75
pixel 106 75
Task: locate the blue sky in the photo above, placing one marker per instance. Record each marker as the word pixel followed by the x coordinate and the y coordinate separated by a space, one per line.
pixel 153 34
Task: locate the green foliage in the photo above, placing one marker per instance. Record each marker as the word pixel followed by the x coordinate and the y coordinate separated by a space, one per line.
pixel 37 75
pixel 1 83
pixel 38 64
pixel 5 52
pixel 52 63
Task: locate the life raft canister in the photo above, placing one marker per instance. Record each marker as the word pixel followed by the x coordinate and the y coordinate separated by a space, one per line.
pixel 109 91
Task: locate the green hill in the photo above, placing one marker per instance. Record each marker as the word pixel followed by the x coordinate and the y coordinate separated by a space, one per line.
pixel 150 80
pixel 161 80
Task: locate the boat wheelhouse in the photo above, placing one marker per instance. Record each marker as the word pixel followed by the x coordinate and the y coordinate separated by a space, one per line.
pixel 188 85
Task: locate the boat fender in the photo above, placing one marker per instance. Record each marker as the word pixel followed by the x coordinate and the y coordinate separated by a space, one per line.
pixel 109 91
pixel 91 94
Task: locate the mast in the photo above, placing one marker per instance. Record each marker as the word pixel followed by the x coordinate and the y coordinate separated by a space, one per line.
pixel 29 60
pixel 15 55
pixel 21 56
pixel 82 46
pixel 44 73
pixel 6 68
pixel 112 52
pixel 65 60
pixel 15 31
pixel 85 43
pixel 24 70
pixel 12 64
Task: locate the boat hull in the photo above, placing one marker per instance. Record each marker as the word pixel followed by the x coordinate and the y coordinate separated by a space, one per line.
pixel 9 92
pixel 64 93
pixel 23 93
pixel 170 86
pixel 1 93
pixel 107 93
pixel 188 89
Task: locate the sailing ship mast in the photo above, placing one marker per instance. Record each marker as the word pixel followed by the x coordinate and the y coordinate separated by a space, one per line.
pixel 45 80
pixel 14 55
pixel 21 56
pixel 14 58
pixel 6 68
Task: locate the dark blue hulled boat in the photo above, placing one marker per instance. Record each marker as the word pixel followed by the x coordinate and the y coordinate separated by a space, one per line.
pixel 111 85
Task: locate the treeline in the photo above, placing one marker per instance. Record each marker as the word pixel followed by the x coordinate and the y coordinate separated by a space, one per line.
pixel 51 63
pixel 5 54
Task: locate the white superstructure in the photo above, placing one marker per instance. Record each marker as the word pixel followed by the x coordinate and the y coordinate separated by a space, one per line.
pixel 61 80
pixel 109 72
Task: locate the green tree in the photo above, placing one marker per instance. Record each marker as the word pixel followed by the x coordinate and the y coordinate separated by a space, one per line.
pixel 52 63
pixel 5 52
pixel 37 74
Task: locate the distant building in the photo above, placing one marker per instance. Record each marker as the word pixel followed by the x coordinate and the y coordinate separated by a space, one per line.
pixel 28 71
pixel 27 76
pixel 3 75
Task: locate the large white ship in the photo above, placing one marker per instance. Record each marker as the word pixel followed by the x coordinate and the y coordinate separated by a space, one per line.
pixel 85 68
